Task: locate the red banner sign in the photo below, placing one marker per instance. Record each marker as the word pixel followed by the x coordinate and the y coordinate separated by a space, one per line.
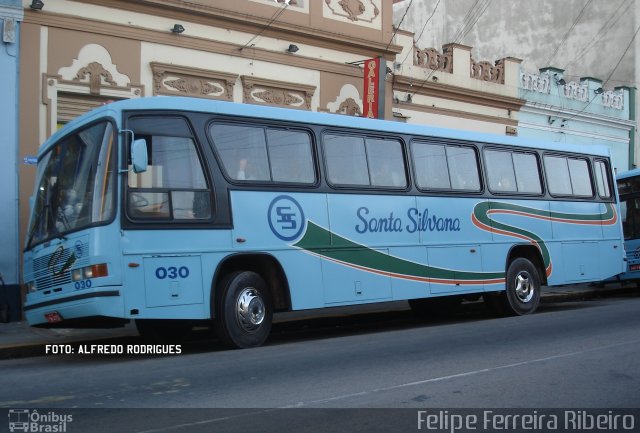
pixel 371 88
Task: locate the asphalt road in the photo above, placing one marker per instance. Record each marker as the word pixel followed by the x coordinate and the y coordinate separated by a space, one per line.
pixel 574 354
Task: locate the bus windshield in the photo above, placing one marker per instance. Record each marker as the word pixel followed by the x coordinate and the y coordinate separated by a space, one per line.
pixel 629 190
pixel 74 184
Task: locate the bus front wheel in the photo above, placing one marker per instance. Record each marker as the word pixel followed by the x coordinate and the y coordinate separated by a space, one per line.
pixel 244 310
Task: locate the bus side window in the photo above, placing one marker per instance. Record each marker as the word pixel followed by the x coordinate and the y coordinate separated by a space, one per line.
pixel 256 153
pixel 386 163
pixel 430 162
pixel 568 176
pixel 290 156
pixel 174 185
pixel 463 168
pixel 346 160
pixel 445 167
pixel 510 171
pixel 602 179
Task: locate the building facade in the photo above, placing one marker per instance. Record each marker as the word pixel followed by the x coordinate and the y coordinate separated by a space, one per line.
pixel 300 54
pixel 579 112
pixel 450 88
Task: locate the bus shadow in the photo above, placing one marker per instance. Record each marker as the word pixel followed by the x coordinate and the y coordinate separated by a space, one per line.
pixel 331 326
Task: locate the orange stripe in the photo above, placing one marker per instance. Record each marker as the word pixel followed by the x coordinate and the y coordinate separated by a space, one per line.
pixel 413 277
pixel 610 221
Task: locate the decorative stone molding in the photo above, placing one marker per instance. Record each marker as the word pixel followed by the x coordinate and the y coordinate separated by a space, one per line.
pixel 485 71
pixel 431 58
pixel 540 83
pixel 349 107
pixel 278 93
pixel 613 99
pixel 175 80
pixel 347 102
pixel 53 85
pixel 354 10
pixel 298 4
pixel 97 73
pixel 95 67
pixel 579 92
pixel 91 74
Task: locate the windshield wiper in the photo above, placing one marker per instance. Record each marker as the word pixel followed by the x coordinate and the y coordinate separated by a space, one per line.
pixel 47 216
pixel 36 225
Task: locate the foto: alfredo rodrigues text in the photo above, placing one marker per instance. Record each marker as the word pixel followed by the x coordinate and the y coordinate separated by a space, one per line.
pixel 113 349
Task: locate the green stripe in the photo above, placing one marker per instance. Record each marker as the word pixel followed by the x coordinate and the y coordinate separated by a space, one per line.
pixel 355 254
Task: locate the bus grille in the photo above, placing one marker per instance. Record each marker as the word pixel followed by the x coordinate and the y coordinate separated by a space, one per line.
pixel 633 255
pixel 48 270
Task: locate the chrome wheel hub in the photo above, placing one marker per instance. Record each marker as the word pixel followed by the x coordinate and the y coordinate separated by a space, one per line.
pixel 524 287
pixel 250 310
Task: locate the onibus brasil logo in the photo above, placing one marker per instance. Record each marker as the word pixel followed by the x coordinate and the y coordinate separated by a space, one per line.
pixel 32 421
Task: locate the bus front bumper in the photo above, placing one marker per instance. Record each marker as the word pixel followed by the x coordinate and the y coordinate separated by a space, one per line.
pixel 104 302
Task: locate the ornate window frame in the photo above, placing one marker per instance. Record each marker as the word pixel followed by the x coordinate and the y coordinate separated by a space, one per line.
pixel 276 93
pixel 90 76
pixel 173 80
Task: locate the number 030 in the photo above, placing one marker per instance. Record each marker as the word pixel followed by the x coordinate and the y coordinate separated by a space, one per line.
pixel 172 272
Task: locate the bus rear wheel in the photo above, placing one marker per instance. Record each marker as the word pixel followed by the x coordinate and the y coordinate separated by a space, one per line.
pixel 244 311
pixel 522 294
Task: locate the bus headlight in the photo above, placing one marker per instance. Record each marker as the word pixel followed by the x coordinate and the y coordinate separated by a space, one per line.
pixel 88 272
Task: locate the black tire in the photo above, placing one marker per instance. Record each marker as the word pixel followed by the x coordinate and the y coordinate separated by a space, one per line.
pixel 164 331
pixel 435 308
pixel 244 311
pixel 522 294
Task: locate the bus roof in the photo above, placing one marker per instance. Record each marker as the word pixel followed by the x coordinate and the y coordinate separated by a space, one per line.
pixel 627 174
pixel 177 103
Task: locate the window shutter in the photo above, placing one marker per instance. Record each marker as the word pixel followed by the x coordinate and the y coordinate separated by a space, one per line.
pixel 72 105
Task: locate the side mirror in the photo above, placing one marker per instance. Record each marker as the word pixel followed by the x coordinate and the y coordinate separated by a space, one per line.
pixel 139 155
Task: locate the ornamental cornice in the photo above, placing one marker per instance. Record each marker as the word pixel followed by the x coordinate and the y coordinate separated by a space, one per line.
pixel 455 93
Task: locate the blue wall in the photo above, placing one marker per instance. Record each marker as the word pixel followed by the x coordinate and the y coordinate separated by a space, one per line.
pixel 582 117
pixel 11 14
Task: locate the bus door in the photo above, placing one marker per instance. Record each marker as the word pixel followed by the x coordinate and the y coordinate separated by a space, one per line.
pixel 167 218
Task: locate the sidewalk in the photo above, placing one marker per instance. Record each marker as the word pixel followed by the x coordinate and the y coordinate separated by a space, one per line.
pixel 18 339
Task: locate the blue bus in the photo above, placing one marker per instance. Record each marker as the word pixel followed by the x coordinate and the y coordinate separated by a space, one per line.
pixel 178 211
pixel 629 192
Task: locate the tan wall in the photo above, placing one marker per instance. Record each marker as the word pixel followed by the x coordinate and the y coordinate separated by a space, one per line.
pixel 132 42
pixel 64 46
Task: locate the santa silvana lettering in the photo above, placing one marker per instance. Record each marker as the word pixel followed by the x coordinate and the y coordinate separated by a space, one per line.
pixel 418 221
